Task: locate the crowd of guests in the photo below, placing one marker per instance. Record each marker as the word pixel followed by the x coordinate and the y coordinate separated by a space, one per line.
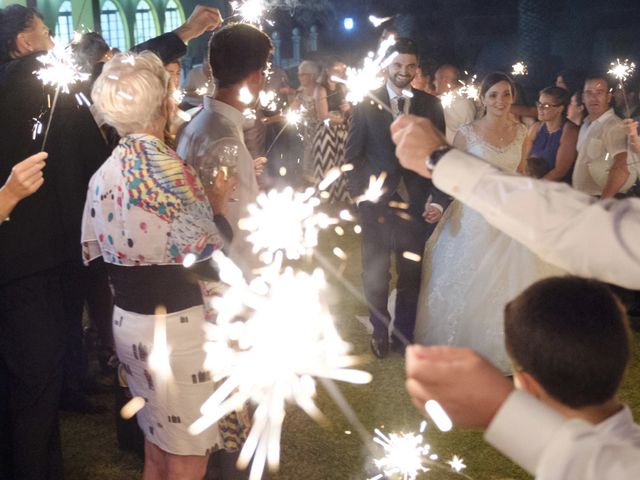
pixel 132 191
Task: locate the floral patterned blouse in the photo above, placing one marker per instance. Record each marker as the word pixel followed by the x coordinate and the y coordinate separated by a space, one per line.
pixel 146 206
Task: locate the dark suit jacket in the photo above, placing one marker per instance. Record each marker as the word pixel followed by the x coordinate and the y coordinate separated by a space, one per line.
pixel 371 151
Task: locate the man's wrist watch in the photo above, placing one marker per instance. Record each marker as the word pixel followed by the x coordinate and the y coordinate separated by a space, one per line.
pixel 436 155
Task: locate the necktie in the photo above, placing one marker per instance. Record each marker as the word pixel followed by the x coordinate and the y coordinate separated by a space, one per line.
pixel 401 101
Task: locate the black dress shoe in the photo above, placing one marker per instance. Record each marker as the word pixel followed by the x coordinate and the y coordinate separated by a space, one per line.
pixel 380 346
pixel 397 345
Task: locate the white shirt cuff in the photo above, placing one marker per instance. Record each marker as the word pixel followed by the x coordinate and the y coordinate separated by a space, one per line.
pixel 522 428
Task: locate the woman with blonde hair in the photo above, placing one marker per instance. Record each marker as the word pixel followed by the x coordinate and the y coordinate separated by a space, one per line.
pixel 146 213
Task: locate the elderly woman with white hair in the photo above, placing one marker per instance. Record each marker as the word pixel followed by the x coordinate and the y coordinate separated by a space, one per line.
pixel 146 213
pixel 306 101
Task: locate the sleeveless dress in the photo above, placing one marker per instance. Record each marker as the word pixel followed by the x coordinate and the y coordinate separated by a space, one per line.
pixel 328 148
pixel 546 145
pixel 472 270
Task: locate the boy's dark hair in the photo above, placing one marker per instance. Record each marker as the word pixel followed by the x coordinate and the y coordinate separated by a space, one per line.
pixel 14 19
pixel 403 45
pixel 537 167
pixel 236 51
pixel 571 335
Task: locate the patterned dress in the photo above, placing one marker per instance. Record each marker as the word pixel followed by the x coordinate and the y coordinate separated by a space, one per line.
pixel 147 208
pixel 328 147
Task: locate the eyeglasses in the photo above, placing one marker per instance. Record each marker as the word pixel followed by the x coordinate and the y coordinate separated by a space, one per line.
pixel 547 106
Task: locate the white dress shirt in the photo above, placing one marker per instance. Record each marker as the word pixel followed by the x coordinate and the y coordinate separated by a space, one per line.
pixel 586 237
pixel 461 110
pixel 599 142
pixel 553 448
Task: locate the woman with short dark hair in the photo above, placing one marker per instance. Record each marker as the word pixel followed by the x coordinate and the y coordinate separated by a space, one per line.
pixel 553 138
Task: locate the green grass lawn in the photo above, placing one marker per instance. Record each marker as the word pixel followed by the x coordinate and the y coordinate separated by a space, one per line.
pixel 312 451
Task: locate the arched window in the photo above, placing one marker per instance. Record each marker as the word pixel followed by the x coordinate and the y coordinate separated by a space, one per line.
pixel 113 29
pixel 64 25
pixel 173 16
pixel 145 26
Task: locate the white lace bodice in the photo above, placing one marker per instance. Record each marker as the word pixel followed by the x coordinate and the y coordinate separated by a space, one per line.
pixel 506 158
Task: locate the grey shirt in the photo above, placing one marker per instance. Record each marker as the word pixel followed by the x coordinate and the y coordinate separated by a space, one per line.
pixel 219 121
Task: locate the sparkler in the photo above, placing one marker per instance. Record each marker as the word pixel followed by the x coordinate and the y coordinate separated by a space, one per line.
pixel 361 82
pixel 375 190
pixel 250 11
pixel 292 117
pixel 260 364
pixel 59 70
pixel 406 455
pixel 377 21
pixel 294 233
pixel 621 71
pixel 470 89
pixel 446 99
pixel 519 68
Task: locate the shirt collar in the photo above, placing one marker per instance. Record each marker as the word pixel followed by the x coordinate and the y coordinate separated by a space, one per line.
pixel 619 420
pixel 601 119
pixel 226 110
pixel 392 93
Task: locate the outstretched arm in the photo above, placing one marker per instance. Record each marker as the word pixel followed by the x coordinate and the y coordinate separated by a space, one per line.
pixel 564 227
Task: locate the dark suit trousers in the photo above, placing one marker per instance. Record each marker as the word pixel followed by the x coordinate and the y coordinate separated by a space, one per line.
pixel 384 233
pixel 33 327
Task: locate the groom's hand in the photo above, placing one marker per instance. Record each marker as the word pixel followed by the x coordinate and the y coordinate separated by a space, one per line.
pixel 432 214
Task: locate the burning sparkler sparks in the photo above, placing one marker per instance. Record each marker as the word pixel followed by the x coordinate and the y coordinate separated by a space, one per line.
pixel 406 456
pixel 519 68
pixel 260 364
pixel 59 70
pixel 621 70
pixel 250 11
pixel 294 233
pixel 375 190
pixel 446 99
pixel 360 82
pixel 377 21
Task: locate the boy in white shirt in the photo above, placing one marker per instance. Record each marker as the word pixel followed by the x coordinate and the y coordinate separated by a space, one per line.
pixel 569 342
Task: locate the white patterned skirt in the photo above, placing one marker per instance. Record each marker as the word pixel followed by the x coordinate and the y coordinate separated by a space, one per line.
pixel 174 386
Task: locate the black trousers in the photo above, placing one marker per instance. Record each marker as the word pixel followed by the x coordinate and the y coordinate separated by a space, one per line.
pixel 33 327
pixel 387 231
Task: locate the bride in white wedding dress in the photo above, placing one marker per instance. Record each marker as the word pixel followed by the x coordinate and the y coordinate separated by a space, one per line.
pixel 470 269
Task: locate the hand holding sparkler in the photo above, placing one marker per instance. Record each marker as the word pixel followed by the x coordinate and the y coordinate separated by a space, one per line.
pixel 632 133
pixel 468 387
pixel 202 19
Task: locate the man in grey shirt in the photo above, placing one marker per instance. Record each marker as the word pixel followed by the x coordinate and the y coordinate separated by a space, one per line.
pixel 238 56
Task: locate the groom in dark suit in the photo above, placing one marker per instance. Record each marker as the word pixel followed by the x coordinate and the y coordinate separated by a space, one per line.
pixel 403 218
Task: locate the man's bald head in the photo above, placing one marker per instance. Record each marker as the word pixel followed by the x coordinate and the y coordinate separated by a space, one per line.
pixel 446 78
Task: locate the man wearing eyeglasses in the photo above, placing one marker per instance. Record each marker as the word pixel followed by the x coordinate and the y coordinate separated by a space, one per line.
pixel 601 167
